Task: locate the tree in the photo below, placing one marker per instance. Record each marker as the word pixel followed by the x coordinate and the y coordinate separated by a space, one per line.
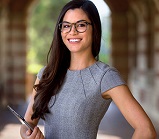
pixel 41 27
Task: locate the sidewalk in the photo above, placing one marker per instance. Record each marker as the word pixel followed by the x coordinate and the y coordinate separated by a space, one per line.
pixel 113 125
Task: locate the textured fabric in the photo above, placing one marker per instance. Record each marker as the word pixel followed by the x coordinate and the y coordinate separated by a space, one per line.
pixel 79 106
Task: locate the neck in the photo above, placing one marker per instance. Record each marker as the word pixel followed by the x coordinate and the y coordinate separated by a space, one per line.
pixel 79 62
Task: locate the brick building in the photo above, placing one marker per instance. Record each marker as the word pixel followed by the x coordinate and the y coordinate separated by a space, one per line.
pixel 135 48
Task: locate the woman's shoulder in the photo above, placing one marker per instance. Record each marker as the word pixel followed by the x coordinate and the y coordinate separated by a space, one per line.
pixel 106 70
pixel 111 77
pixel 40 73
pixel 103 67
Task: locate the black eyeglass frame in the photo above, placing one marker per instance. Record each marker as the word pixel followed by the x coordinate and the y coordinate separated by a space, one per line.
pixel 71 24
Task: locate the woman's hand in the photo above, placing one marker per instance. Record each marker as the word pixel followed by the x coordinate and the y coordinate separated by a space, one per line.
pixel 28 134
pixel 36 134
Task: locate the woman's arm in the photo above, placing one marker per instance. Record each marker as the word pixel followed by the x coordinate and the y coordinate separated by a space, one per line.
pixel 132 112
pixel 25 133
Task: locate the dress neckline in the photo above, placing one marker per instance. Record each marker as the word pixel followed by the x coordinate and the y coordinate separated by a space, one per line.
pixel 84 68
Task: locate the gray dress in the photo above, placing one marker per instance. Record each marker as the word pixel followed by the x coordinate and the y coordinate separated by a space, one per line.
pixel 79 106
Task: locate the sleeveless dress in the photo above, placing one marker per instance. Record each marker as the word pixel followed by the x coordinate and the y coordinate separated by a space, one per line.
pixel 79 107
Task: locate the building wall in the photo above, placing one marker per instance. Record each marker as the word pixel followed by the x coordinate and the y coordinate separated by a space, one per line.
pixel 135 49
pixel 142 77
pixel 3 57
pixel 141 22
pixel 13 48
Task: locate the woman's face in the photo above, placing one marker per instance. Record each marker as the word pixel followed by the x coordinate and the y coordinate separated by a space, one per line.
pixel 75 41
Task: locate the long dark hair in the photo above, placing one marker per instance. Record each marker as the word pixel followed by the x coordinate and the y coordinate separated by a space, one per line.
pixel 59 58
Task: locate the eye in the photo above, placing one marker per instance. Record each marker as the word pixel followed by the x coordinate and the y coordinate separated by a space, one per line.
pixel 66 26
pixel 81 25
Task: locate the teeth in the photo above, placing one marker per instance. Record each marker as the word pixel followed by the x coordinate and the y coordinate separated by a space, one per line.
pixel 74 40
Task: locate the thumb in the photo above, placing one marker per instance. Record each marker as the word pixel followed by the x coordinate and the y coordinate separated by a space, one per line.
pixel 28 132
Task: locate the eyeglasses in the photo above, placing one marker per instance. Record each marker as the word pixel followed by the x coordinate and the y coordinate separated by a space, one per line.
pixel 80 26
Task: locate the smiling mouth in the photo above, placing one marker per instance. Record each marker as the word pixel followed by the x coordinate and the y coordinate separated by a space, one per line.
pixel 74 40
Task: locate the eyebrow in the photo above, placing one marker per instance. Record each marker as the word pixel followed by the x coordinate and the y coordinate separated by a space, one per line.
pixel 75 22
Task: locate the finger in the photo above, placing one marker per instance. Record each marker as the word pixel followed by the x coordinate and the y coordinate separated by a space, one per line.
pixel 42 136
pixel 34 133
pixel 28 132
pixel 38 135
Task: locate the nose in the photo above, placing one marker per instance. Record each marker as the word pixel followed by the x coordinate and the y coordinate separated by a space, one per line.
pixel 73 30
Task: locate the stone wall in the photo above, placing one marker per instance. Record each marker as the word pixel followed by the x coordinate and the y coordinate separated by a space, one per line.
pixel 13 49
pixel 143 75
pixel 3 56
pixel 135 49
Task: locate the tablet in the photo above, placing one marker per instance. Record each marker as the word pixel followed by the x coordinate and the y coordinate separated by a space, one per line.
pixel 20 118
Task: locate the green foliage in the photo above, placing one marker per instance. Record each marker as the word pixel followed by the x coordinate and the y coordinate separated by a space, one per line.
pixel 104 54
pixel 41 27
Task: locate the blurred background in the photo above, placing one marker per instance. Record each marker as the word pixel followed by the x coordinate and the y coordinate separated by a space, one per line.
pixel 130 42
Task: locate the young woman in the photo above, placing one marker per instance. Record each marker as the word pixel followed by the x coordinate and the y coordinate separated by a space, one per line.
pixel 73 92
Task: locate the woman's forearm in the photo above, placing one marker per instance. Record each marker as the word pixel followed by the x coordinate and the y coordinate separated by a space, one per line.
pixel 148 133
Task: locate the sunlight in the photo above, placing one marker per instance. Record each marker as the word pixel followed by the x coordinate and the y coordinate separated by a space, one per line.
pixel 102 7
pixel 11 131
pixel 104 136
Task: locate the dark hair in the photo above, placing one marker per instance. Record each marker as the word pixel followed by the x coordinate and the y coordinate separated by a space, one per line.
pixel 59 58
